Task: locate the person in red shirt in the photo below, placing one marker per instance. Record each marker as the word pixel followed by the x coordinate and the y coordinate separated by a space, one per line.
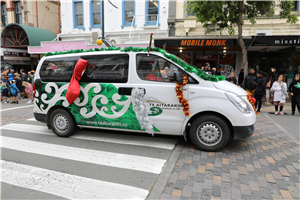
pixel 154 75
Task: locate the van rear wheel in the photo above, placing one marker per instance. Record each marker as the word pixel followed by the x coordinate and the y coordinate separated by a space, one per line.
pixel 62 123
pixel 210 133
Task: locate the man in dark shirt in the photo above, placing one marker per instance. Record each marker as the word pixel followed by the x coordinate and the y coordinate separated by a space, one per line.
pixel 208 70
pixel 23 78
pixel 249 82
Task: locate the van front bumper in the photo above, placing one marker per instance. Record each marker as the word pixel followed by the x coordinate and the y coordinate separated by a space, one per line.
pixel 243 132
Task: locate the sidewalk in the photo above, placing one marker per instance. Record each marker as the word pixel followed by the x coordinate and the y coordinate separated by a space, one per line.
pixel 265 166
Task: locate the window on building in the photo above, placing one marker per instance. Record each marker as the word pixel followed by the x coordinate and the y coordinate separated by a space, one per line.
pixel 296 6
pixel 190 13
pixel 3 14
pixel 18 11
pixel 152 12
pixel 96 7
pixel 128 12
pixel 78 14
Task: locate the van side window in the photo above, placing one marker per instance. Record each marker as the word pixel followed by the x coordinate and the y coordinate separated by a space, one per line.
pixel 106 68
pixel 155 68
pixel 58 69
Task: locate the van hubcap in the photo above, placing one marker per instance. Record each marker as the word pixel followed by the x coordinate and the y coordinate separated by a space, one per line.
pixel 61 122
pixel 209 133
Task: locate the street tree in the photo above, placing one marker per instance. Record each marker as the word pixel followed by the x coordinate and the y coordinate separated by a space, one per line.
pixel 227 14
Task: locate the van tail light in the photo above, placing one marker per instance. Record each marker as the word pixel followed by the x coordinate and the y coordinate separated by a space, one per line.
pixel 33 86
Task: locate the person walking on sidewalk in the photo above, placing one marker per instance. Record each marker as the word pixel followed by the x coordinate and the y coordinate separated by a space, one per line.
pixel 18 83
pixel 295 93
pixel 28 89
pixel 14 92
pixel 280 93
pixel 232 78
pixel 260 89
pixel 4 92
pixel 23 78
pixel 249 82
pixel 271 78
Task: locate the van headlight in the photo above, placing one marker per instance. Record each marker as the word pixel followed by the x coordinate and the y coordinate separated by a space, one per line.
pixel 239 102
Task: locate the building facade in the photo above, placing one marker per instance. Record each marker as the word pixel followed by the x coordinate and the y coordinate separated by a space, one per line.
pixel 126 23
pixel 271 42
pixel 24 24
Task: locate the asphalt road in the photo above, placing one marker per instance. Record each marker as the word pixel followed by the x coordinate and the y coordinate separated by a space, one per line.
pixel 92 164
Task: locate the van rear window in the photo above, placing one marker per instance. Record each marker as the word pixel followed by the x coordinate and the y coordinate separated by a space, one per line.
pixel 101 68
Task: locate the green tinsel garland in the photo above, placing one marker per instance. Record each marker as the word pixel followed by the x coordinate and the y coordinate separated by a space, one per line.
pixel 203 75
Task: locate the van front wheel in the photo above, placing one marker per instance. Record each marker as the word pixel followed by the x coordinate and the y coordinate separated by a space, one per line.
pixel 62 123
pixel 209 133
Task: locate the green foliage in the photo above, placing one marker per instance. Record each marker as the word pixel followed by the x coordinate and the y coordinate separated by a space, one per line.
pixel 226 13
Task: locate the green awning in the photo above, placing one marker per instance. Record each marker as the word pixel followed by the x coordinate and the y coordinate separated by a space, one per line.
pixel 34 35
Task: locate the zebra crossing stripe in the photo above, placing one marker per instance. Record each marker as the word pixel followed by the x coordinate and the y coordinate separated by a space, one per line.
pixel 162 143
pixel 124 161
pixel 66 185
pixel 31 119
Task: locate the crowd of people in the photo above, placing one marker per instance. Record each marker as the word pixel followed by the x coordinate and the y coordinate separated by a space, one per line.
pixel 259 84
pixel 14 84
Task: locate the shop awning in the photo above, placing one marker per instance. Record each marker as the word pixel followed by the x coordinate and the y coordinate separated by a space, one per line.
pixel 22 36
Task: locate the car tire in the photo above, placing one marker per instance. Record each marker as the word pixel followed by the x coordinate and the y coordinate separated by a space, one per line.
pixel 210 133
pixel 62 123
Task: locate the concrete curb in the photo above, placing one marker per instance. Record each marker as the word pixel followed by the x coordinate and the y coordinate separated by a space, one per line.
pixel 283 129
pixel 160 184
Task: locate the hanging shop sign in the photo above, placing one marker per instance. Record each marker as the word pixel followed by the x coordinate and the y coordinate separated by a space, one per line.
pixel 15 54
pixel 15 58
pixel 276 41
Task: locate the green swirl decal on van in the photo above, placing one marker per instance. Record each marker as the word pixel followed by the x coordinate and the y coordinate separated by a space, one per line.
pixel 155 111
pixel 97 105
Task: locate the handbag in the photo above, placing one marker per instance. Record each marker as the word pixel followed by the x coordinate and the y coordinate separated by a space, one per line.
pixel 268 85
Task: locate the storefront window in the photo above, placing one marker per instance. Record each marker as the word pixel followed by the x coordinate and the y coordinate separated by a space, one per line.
pixel 96 13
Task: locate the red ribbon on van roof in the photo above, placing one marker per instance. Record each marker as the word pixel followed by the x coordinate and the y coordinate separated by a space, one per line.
pixel 74 87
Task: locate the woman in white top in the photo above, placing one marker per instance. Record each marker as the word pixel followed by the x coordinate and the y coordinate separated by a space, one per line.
pixel 279 89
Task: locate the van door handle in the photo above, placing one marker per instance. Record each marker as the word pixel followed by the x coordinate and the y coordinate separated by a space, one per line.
pixel 124 91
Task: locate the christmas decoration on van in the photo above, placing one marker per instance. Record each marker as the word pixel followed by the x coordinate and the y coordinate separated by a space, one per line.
pixel 142 110
pixel 74 87
pixel 252 100
pixel 203 75
pixel 182 100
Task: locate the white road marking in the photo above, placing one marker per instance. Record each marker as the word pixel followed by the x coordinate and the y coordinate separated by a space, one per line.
pixel 66 185
pixel 103 137
pixel 16 108
pixel 31 119
pixel 123 161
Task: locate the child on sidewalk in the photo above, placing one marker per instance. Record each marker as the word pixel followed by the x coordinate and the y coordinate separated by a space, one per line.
pixel 280 93
pixel 28 89
pixel 4 92
pixel 295 93
pixel 14 92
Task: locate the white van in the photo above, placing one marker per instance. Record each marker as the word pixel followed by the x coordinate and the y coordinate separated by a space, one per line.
pixel 219 110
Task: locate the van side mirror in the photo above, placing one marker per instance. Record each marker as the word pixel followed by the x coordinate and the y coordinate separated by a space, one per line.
pixel 177 77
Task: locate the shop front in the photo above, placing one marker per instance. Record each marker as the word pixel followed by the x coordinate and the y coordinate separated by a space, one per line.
pixel 15 38
pixel 264 52
pixel 219 53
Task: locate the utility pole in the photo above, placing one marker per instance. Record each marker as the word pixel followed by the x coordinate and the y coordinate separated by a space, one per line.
pixel 102 19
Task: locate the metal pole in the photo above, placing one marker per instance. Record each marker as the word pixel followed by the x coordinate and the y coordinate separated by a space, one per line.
pixel 103 19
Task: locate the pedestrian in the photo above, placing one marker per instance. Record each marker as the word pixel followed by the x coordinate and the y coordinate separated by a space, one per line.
pixel 23 78
pixel 208 70
pixel 29 78
pixel 232 78
pixel 241 78
pixel 14 92
pixel 11 75
pixel 260 89
pixel 18 83
pixel 279 89
pixel 202 68
pixel 4 92
pixel 249 82
pixel 5 74
pixel 28 89
pixel 295 93
pixel 271 78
